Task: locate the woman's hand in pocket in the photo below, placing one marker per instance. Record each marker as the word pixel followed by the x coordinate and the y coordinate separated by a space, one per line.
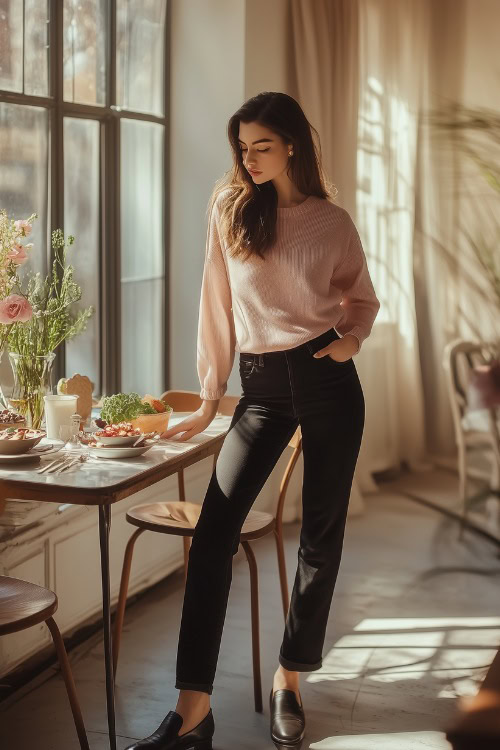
pixel 340 350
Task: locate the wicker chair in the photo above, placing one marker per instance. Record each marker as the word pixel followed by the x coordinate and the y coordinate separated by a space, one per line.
pixel 473 429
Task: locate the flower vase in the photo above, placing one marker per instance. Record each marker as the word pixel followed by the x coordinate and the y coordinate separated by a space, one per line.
pixel 32 381
pixel 4 404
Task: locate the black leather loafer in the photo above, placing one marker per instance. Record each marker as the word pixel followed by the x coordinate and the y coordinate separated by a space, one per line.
pixel 287 720
pixel 167 737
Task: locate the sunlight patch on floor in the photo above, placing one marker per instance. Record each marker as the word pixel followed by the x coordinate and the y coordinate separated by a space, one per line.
pixel 454 651
pixel 395 741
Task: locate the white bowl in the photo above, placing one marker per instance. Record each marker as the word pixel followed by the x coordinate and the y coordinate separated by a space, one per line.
pixel 118 440
pixel 15 447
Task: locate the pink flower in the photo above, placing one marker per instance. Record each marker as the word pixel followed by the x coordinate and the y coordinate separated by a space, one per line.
pixel 23 226
pixel 18 254
pixel 14 309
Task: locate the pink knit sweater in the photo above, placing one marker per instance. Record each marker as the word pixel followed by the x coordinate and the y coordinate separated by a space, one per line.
pixel 314 278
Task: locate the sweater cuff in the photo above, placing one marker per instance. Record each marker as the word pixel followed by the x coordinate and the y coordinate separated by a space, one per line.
pixel 212 395
pixel 357 332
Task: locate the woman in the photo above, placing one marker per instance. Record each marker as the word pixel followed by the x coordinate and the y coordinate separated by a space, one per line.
pixel 285 283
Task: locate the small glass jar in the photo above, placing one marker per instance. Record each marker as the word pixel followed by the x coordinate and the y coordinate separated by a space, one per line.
pixel 75 424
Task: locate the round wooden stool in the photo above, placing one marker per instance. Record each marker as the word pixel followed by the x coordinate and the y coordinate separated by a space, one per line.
pixel 23 605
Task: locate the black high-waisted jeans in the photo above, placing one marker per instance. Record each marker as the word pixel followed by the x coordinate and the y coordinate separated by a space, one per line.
pixel 281 390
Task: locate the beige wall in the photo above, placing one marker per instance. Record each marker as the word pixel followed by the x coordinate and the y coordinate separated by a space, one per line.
pixel 478 205
pixel 207 85
pixel 481 73
pixel 223 51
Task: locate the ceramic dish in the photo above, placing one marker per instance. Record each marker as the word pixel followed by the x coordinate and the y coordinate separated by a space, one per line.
pixel 6 425
pixel 118 452
pixel 119 440
pixel 152 422
pixel 19 458
pixel 45 448
pixel 15 447
pixel 9 418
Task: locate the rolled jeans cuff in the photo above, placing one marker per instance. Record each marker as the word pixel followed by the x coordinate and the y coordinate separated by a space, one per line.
pixel 296 666
pixel 201 688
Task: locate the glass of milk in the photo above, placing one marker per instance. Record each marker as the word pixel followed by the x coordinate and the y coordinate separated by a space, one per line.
pixel 58 411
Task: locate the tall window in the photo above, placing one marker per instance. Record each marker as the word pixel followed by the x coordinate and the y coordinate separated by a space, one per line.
pixel 83 134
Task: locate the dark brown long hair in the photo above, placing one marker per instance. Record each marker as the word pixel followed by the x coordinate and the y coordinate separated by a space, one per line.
pixel 248 211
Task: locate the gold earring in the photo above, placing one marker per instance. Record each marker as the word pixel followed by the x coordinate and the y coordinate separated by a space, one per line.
pixel 290 153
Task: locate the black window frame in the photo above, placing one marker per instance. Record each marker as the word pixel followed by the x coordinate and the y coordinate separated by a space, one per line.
pixel 109 116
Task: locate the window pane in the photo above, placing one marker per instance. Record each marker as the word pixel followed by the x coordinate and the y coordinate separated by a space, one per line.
pixel 36 47
pixel 81 219
pixel 142 337
pixel 139 55
pixel 24 174
pixel 142 256
pixel 85 51
pixel 11 45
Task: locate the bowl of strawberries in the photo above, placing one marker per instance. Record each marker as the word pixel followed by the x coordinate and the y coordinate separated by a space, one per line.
pixel 122 433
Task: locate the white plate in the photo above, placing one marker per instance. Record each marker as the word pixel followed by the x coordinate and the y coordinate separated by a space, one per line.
pixel 33 453
pixel 119 452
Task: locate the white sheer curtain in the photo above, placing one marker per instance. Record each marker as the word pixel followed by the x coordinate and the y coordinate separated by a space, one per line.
pixel 392 59
pixel 358 72
pixel 324 78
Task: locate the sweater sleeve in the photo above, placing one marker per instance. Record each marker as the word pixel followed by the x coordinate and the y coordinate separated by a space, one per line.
pixel 359 302
pixel 216 333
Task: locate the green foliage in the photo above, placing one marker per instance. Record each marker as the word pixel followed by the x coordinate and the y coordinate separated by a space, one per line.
pixel 475 134
pixel 51 299
pixel 122 407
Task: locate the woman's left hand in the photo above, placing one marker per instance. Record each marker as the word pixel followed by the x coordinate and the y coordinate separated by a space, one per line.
pixel 341 349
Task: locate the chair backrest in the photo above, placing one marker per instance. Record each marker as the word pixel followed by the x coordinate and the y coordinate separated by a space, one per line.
pixel 182 400
pixel 191 401
pixel 459 358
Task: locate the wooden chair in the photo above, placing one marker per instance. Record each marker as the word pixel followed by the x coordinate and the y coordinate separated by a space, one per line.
pixel 473 429
pixel 179 518
pixel 23 605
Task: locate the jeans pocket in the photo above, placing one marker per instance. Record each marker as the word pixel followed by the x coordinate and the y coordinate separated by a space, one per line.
pixel 247 363
pixel 335 362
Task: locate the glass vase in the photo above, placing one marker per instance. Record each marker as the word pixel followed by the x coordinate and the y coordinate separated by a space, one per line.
pixel 4 404
pixel 32 381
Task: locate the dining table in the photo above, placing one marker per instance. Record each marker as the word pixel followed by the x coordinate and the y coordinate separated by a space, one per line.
pixel 102 483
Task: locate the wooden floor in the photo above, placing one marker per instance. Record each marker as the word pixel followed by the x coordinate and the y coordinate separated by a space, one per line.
pixel 415 622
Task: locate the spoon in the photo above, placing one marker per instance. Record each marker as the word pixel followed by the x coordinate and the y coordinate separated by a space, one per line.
pixel 149 436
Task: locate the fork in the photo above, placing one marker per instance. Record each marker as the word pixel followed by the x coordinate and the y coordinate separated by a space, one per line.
pixel 55 465
pixel 80 460
pixel 51 466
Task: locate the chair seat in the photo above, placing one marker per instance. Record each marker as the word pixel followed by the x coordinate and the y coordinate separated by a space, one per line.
pixel 180 518
pixel 477 420
pixel 23 604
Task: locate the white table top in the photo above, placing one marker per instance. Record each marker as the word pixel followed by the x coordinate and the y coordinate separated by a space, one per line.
pixel 107 472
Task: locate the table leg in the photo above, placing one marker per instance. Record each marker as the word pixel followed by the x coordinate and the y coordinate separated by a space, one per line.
pixel 104 528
